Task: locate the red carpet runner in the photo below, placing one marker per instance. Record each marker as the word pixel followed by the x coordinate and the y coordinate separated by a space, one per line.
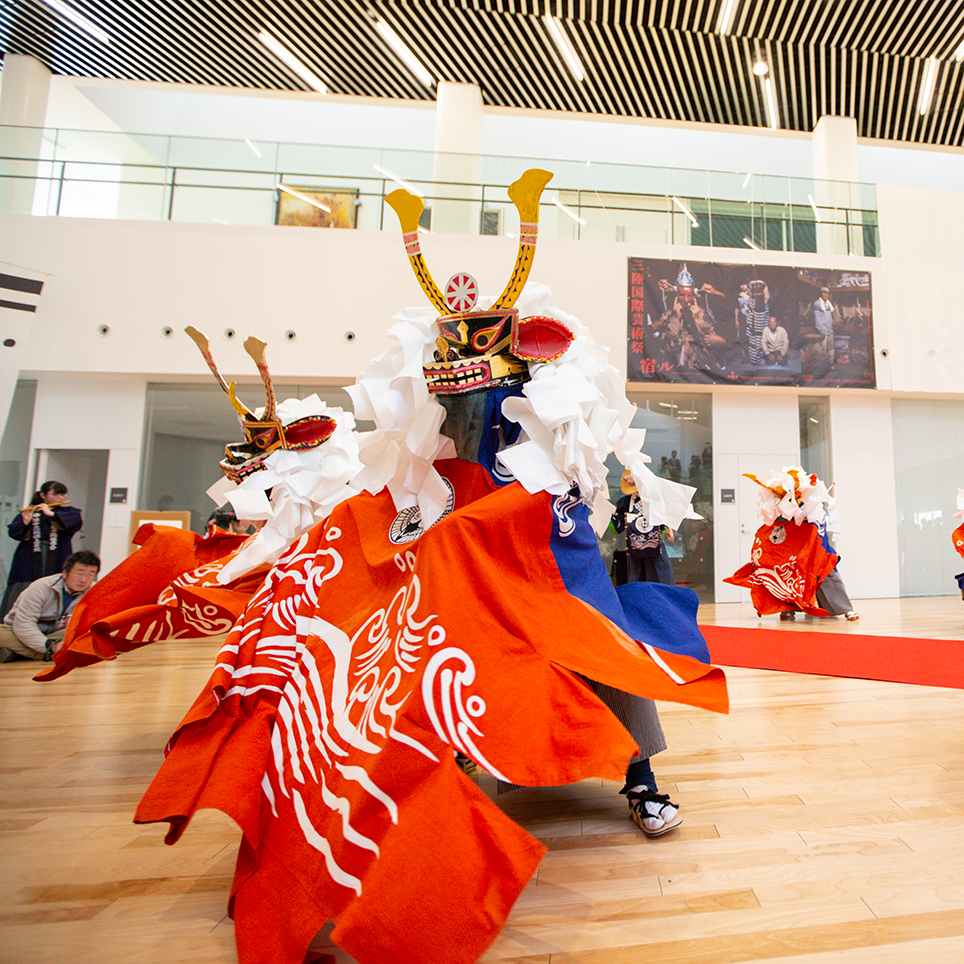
pixel 928 662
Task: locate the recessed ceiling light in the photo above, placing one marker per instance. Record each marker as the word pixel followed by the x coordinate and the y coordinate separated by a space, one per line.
pixel 285 55
pixel 772 115
pixel 568 211
pixel 79 19
pixel 816 213
pixel 685 211
pixel 403 51
pixel 760 68
pixel 726 17
pixel 394 177
pixel 927 90
pixel 565 47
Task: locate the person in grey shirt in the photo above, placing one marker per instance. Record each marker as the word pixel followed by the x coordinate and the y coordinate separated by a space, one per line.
pixel 775 343
pixel 35 627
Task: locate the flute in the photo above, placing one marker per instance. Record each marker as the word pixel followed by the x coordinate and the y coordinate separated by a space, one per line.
pixel 50 505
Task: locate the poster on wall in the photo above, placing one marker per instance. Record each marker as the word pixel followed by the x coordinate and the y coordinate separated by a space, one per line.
pixel 743 324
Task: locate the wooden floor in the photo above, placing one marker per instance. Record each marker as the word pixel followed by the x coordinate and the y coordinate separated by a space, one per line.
pixel 824 823
pixel 919 617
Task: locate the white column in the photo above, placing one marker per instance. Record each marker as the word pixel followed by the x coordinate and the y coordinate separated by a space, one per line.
pixel 24 92
pixel 23 112
pixel 834 144
pixel 114 410
pixel 458 136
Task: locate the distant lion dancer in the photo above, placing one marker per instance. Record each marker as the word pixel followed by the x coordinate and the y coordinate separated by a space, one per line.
pixel 459 605
pixel 180 585
pixel 44 531
pixel 957 537
pixel 793 567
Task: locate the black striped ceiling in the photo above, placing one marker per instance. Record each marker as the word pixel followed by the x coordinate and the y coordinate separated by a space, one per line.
pixel 642 58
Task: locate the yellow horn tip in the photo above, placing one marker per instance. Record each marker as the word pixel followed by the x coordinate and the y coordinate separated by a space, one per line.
pixel 255 347
pixel 198 337
pixel 236 404
pixel 408 207
pixel 525 192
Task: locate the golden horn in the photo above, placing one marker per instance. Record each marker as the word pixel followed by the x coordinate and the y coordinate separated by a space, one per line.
pixel 255 348
pixel 409 208
pixel 237 405
pixel 204 346
pixel 524 194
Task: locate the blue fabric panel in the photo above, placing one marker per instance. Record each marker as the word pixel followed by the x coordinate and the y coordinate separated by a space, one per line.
pixel 664 617
pixel 825 539
pixel 576 552
pixel 500 431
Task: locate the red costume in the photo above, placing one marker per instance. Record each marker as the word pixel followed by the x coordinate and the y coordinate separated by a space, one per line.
pixel 327 730
pixel 167 589
pixel 789 563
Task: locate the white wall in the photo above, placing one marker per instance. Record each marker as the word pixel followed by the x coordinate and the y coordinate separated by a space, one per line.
pixel 650 143
pixel 863 475
pixel 921 318
pixel 138 278
pixel 911 166
pixel 191 111
pixel 75 412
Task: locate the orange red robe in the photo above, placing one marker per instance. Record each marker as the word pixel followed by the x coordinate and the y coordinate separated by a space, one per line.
pixel 788 563
pixel 167 589
pixel 371 653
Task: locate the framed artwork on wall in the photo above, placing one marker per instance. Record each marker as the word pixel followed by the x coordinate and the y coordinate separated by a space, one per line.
pixel 317 207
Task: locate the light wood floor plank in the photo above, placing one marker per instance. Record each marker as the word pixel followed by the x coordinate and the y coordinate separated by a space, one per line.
pixel 824 823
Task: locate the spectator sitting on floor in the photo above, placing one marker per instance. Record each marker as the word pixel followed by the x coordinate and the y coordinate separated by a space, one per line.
pixel 35 626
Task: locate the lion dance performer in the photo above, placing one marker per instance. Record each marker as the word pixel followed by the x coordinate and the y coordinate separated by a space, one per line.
pixel 957 537
pixel 458 605
pixel 793 567
pixel 179 585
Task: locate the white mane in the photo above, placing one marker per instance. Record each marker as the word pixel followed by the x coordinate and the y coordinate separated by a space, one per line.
pixel 573 413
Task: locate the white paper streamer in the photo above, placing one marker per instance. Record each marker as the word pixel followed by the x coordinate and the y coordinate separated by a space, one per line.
pixel 304 487
pixel 573 413
pixel 812 502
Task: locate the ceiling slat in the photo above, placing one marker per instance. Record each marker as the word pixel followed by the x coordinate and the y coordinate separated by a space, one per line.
pixel 650 58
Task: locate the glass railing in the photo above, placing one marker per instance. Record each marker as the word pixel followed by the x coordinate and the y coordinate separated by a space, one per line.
pixel 93 174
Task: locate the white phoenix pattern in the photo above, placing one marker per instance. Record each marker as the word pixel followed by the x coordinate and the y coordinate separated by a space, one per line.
pixel 784 581
pixel 327 717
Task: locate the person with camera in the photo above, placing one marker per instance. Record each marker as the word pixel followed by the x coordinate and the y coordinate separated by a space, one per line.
pixel 43 531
